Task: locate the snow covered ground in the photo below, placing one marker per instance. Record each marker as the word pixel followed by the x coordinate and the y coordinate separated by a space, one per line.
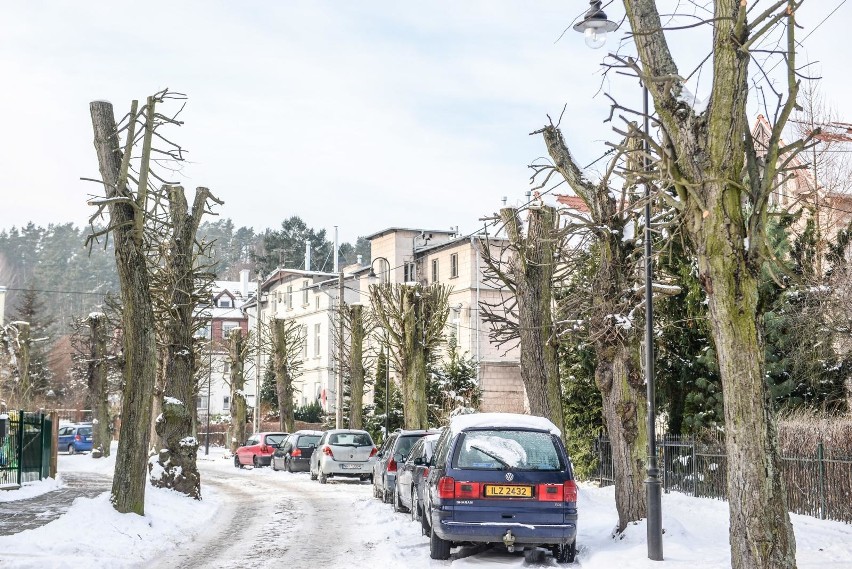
pixel 293 519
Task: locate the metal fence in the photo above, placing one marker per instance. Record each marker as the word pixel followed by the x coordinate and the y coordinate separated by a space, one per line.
pixel 25 443
pixel 818 485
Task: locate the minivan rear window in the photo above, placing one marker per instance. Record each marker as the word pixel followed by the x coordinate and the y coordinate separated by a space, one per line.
pixel 507 449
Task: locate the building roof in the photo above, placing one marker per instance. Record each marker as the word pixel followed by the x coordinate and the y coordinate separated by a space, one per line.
pixel 572 202
pixel 411 229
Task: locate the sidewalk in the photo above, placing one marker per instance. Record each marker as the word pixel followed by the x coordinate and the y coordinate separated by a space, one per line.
pixel 30 513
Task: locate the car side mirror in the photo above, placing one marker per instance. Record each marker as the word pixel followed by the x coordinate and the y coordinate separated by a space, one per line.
pixel 312 446
pixel 399 457
pixel 418 461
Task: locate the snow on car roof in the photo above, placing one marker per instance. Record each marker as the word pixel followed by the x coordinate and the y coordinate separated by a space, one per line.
pixel 501 420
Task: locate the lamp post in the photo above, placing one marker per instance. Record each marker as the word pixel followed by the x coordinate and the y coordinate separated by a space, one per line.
pixel 372 275
pixel 595 26
pixel 209 381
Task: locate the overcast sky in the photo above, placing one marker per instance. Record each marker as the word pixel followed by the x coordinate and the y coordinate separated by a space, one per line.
pixel 363 115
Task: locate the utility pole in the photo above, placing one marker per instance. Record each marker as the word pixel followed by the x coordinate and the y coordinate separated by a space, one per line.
pixel 257 362
pixel 340 323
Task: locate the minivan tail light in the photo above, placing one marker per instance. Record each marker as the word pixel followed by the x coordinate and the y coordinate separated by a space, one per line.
pixel 425 473
pixel 326 450
pixel 392 465
pixel 467 490
pixel 373 452
pixel 570 491
pixel 550 492
pixel 447 488
pixel 296 453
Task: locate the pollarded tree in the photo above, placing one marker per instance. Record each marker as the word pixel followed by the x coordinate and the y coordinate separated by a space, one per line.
pixel 723 188
pixel 286 347
pixel 239 351
pixel 526 267
pixel 352 328
pixel 413 318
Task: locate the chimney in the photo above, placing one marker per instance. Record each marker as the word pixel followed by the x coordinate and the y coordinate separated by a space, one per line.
pixel 359 260
pixel 307 255
pixel 244 279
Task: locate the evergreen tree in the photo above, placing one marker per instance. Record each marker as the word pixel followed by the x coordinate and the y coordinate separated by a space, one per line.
pixel 374 415
pixel 452 386
pixel 31 308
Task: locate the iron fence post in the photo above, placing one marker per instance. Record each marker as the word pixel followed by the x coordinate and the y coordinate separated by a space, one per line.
pixel 821 466
pixel 41 446
pixel 694 469
pixel 20 444
pixel 665 464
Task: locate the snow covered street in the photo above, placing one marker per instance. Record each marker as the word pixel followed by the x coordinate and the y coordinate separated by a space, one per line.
pixel 262 518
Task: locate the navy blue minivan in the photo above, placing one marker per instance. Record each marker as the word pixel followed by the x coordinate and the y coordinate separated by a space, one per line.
pixel 501 478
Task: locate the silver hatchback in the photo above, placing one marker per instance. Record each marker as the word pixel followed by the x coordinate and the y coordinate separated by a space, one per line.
pixel 343 452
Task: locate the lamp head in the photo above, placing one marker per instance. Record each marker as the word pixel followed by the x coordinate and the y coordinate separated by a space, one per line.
pixel 595 25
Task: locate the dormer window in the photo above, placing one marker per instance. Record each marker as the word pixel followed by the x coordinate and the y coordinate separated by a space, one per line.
pixel 225 302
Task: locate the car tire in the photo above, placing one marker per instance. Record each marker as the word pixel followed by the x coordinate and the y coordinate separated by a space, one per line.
pixel 322 477
pixel 397 507
pixel 272 464
pixel 72 449
pixel 255 462
pixel 237 462
pixel 438 548
pixel 386 497
pixel 288 465
pixel 313 476
pixel 565 553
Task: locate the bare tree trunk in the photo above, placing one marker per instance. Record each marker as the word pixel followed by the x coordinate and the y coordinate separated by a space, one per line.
pixel 533 267
pixel 281 356
pixel 620 383
pixel 177 468
pixel 356 367
pixel 237 344
pixel 98 380
pixel 157 441
pixel 128 488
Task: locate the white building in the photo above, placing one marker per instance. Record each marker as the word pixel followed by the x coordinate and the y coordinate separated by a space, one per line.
pixel 225 315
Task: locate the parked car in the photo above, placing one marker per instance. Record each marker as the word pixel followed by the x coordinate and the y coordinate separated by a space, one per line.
pixel 391 455
pixel 501 478
pixel 294 454
pixel 343 452
pixel 75 438
pixel 257 450
pixel 411 475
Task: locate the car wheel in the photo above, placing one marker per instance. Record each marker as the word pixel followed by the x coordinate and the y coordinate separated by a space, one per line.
pixel 386 497
pixel 413 510
pixel 272 464
pixel 438 548
pixel 72 449
pixel 288 464
pixel 322 477
pixel 313 476
pixel 364 477
pixel 565 553
pixel 255 461
pixel 397 507
pixel 237 462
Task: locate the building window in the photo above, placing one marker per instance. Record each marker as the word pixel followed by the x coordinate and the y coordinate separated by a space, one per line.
pixel 226 367
pixel 228 327
pixel 454 265
pixel 226 403
pixel 317 302
pixel 305 293
pixel 290 297
pixel 317 328
pixel 409 272
pixel 225 302
pixel 201 402
pixel 434 270
pixel 305 339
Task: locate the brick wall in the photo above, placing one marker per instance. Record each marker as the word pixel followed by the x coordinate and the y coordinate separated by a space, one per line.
pixel 502 388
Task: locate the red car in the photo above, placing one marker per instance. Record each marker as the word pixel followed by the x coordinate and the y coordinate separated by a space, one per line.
pixel 258 449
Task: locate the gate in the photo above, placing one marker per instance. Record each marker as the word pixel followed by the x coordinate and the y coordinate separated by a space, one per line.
pixel 25 441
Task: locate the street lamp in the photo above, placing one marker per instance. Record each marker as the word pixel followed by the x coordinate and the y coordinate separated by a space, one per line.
pixel 372 275
pixel 595 26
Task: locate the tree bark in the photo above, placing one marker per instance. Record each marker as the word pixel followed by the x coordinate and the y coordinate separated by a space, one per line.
pixel 98 380
pixel 129 480
pixel 533 266
pixel 356 367
pixel 237 345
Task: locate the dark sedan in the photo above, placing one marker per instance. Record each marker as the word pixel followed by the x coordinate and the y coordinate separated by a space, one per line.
pixel 294 453
pixel 411 475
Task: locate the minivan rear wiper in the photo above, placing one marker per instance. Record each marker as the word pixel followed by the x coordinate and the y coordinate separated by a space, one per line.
pixel 506 465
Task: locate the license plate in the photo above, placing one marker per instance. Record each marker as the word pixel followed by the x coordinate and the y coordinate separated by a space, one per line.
pixel 509 491
pixel 347 466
